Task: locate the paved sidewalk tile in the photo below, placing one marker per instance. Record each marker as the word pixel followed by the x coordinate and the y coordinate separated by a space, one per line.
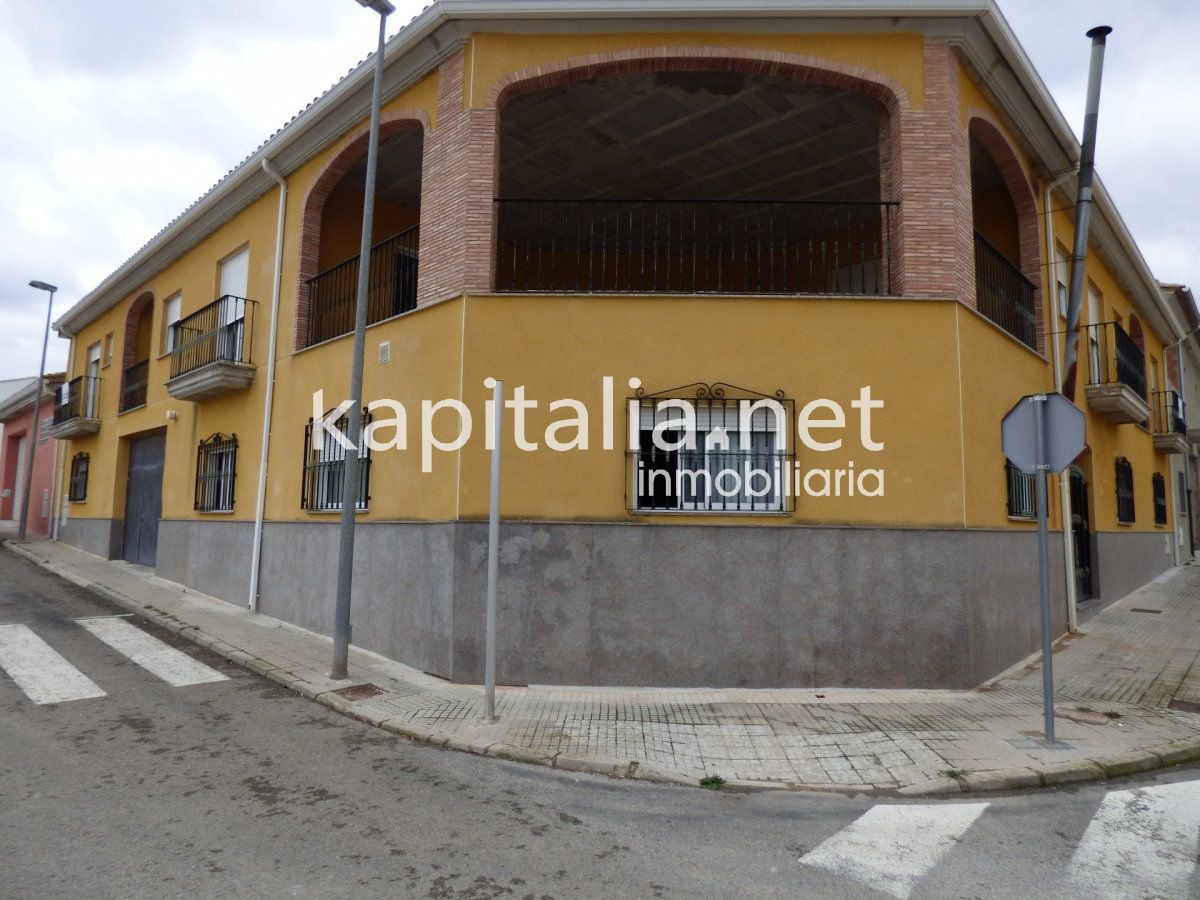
pixel 1120 675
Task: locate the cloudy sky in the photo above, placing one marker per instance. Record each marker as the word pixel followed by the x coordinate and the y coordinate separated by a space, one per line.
pixel 119 114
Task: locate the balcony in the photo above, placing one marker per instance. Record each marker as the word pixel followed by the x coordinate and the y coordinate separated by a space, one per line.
pixel 1116 386
pixel 76 408
pixel 1170 423
pixel 391 289
pixel 694 247
pixel 133 386
pixel 210 352
pixel 1003 294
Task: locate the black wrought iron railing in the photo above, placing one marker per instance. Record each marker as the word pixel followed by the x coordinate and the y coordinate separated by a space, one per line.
pixel 1159 486
pixel 79 398
pixel 1114 358
pixel 391 288
pixel 1003 294
pixel 220 332
pixel 1170 414
pixel 1022 492
pixel 133 386
pixel 694 247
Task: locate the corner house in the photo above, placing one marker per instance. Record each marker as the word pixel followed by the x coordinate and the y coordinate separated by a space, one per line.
pixel 842 212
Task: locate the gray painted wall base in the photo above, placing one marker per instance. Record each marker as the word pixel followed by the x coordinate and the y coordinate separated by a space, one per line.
pixel 101 537
pixel 678 605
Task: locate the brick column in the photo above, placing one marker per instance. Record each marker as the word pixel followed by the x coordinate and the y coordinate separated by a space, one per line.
pixel 930 166
pixel 458 185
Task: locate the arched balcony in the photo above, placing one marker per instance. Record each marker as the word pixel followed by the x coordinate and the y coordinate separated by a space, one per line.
pixel 691 181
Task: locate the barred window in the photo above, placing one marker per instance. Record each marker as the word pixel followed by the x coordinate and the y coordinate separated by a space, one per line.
pixel 324 467
pixel 1160 498
pixel 1125 506
pixel 710 452
pixel 1022 492
pixel 216 469
pixel 77 487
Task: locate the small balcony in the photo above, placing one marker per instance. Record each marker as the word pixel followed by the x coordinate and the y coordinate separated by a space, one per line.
pixel 134 382
pixel 391 289
pixel 210 353
pixel 1170 423
pixel 694 247
pixel 1116 386
pixel 1003 294
pixel 76 408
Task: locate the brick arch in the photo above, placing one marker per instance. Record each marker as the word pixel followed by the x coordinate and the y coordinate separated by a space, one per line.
pixel 1020 191
pixel 794 66
pixel 132 317
pixel 352 149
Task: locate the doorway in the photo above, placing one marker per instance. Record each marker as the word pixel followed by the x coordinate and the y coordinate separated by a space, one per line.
pixel 143 498
pixel 1081 533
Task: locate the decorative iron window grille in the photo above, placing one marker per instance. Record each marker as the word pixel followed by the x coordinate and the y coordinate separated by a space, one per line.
pixel 710 448
pixel 1125 505
pixel 324 467
pixel 216 470
pixel 1160 498
pixel 77 487
pixel 1022 492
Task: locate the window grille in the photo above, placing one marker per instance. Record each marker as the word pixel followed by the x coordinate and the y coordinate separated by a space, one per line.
pixel 216 469
pixel 1022 492
pixel 1160 498
pixel 324 466
pixel 77 487
pixel 1125 505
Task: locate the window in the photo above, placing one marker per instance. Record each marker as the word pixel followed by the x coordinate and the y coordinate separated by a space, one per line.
pixel 710 453
pixel 77 487
pixel 324 465
pixel 1022 492
pixel 108 350
pixel 171 315
pixel 216 468
pixel 1094 321
pixel 1125 507
pixel 1160 498
pixel 1062 274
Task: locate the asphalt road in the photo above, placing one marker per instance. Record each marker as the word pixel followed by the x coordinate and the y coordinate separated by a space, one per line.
pixel 239 788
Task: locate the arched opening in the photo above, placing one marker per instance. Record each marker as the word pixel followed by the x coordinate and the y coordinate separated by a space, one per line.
pixel 1004 219
pixel 136 351
pixel 332 232
pixel 692 176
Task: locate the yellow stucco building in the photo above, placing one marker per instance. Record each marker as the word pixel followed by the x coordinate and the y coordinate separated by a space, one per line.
pixel 855 215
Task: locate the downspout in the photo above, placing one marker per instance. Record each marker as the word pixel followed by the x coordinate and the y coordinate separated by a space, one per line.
pixel 260 504
pixel 1064 480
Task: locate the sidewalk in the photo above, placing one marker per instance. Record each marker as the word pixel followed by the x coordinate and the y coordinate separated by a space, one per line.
pixel 1115 682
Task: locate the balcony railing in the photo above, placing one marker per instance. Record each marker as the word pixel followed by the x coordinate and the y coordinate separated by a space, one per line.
pixel 693 247
pixel 392 288
pixel 133 386
pixel 220 332
pixel 79 398
pixel 1003 294
pixel 1114 358
pixel 1169 413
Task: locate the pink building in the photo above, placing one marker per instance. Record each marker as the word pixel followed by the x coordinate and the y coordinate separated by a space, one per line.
pixel 16 415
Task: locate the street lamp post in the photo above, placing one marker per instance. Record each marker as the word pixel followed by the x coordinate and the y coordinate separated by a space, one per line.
pixel 37 408
pixel 350 469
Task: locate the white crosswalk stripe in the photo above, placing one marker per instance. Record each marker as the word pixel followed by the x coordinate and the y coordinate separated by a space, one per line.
pixel 1140 843
pixel 890 848
pixel 39 671
pixel 173 666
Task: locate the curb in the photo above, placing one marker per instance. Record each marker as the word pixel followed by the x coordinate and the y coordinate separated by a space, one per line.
pixel 1046 775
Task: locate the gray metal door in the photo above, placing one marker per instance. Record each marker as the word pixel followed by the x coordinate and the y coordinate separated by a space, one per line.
pixel 143 498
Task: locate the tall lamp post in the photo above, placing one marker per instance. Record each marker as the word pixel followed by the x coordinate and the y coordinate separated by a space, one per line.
pixel 37 408
pixel 350 469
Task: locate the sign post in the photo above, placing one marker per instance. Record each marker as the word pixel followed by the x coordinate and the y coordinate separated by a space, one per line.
pixel 1044 433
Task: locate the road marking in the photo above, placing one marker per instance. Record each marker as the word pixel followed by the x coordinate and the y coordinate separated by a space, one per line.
pixel 173 666
pixel 890 848
pixel 40 671
pixel 1140 843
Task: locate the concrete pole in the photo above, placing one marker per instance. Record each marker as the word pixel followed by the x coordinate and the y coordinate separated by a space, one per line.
pixel 489 663
pixel 37 409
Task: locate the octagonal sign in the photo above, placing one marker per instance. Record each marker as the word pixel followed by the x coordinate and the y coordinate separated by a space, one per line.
pixel 1064 436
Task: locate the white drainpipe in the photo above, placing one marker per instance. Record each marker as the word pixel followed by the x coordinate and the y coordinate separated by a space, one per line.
pixel 261 501
pixel 1064 480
